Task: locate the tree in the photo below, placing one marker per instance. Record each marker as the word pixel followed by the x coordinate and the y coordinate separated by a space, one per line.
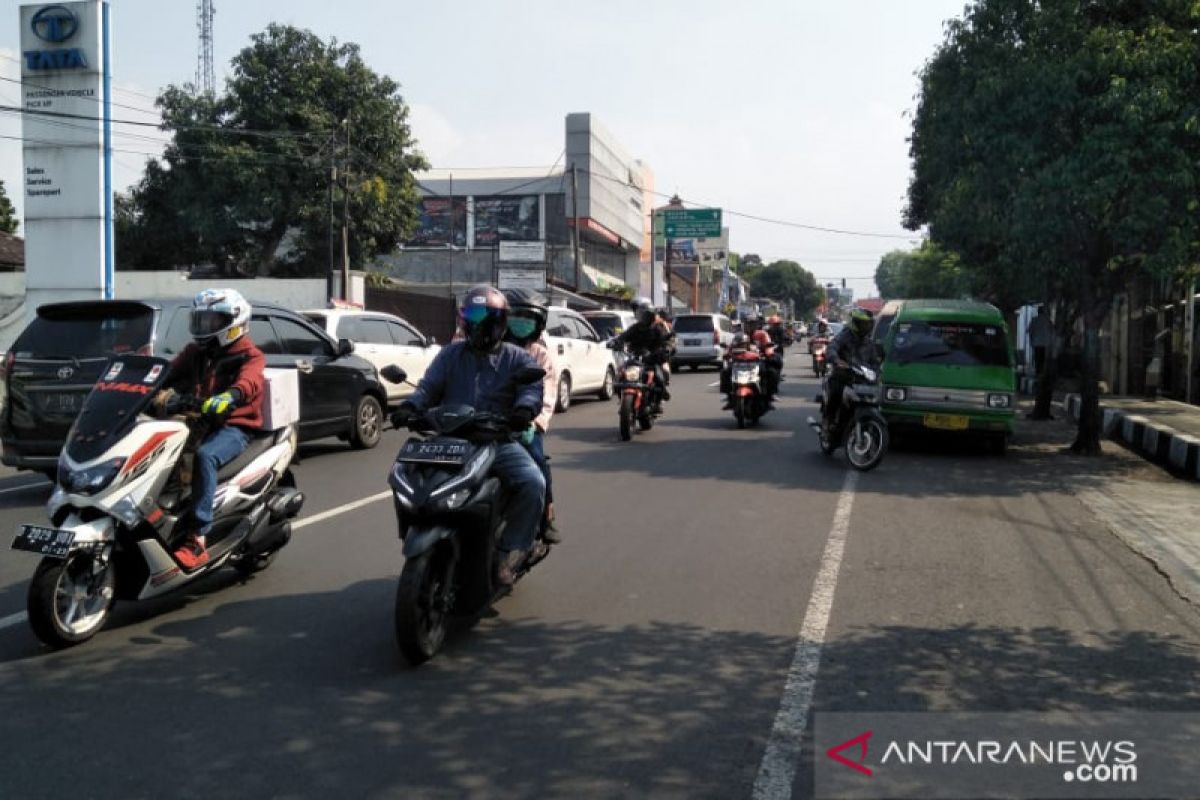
pixel 786 281
pixel 1056 148
pixel 245 180
pixel 929 271
pixel 8 214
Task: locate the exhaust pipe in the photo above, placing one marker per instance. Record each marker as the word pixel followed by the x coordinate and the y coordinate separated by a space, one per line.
pixel 285 504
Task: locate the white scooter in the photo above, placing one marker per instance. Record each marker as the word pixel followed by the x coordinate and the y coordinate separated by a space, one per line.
pixel 123 488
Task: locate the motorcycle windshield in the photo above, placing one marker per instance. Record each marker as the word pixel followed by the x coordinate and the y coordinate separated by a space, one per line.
pixel 124 391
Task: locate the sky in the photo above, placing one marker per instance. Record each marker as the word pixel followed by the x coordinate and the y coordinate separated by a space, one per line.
pixel 796 110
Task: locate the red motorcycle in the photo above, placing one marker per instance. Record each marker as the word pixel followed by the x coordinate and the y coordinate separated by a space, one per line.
pixel 637 394
pixel 746 396
pixel 820 344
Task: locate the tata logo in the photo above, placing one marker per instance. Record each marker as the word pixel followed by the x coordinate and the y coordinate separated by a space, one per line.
pixel 54 24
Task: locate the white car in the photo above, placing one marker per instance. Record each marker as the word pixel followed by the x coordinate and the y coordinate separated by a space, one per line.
pixel 584 363
pixel 382 339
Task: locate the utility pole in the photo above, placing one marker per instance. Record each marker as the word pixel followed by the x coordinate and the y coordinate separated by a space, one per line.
pixel 450 244
pixel 575 227
pixel 332 180
pixel 346 218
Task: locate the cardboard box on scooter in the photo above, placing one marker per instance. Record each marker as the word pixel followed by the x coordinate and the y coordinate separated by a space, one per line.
pixel 281 401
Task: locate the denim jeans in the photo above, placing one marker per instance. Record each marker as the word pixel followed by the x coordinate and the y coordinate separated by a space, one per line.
pixel 218 449
pixel 527 494
pixel 537 450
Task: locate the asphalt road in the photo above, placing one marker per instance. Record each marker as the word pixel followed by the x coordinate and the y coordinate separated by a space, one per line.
pixel 648 657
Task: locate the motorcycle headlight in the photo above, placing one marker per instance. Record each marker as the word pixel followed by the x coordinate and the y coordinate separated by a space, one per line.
pixel 633 373
pixel 91 480
pixel 456 499
pixel 896 393
pixel 999 401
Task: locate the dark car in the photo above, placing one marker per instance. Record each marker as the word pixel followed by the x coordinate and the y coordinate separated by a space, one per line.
pixel 55 361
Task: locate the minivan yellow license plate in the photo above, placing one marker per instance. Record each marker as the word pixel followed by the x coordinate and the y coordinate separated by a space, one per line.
pixel 947 422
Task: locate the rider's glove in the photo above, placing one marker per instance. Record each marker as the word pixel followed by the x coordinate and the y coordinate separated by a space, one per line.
pixel 520 418
pixel 403 415
pixel 528 435
pixel 219 406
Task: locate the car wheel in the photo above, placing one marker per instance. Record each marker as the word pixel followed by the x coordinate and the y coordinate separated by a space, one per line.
pixel 368 423
pixel 564 393
pixel 607 391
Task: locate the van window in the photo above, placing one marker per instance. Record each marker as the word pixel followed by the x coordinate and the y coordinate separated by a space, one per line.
pixel 695 324
pixel 882 325
pixel 726 324
pixel 177 335
pixel 957 343
pixel 555 325
pixel 86 332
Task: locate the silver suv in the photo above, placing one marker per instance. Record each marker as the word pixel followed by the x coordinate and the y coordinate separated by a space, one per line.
pixel 698 339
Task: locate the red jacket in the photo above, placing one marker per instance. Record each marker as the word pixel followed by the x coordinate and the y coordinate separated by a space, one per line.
pixel 239 367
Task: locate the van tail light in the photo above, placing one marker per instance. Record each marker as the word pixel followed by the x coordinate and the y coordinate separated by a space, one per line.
pixel 716 337
pixel 9 358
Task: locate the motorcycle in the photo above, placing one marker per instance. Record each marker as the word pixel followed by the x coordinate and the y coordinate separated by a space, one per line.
pixel 819 348
pixel 859 426
pixel 637 395
pixel 451 513
pixel 122 487
pixel 746 396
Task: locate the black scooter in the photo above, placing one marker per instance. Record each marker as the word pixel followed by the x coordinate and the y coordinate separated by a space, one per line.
pixel 451 512
pixel 859 425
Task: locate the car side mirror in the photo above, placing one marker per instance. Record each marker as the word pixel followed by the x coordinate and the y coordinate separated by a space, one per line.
pixel 345 347
pixel 394 374
pixel 432 340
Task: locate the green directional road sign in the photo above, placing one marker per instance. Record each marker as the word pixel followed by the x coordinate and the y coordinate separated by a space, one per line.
pixel 692 223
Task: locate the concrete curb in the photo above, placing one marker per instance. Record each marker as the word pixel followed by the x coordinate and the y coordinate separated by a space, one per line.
pixel 1153 440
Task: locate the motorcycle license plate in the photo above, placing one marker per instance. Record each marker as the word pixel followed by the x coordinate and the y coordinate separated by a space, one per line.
pixel 416 451
pixel 692 342
pixel 947 422
pixel 44 541
pixel 745 375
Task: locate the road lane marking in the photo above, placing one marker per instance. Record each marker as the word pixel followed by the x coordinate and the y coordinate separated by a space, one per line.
pixel 24 487
pixel 777 772
pixel 20 617
pixel 12 619
pixel 342 509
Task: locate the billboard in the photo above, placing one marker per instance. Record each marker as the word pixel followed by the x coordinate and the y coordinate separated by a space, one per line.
pixel 506 218
pixel 441 223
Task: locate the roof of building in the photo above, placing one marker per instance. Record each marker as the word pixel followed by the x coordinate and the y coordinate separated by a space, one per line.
pixel 872 304
pixel 12 250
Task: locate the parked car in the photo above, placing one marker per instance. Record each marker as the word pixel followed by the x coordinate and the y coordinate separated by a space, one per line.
pixel 609 324
pixel 54 362
pixel 699 340
pixel 584 363
pixel 949 366
pixel 381 339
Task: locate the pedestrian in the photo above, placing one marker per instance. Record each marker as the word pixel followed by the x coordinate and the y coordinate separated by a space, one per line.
pixel 1041 338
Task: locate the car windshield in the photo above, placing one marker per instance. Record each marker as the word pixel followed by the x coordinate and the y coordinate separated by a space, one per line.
pixel 606 325
pixel 694 325
pixel 123 391
pixel 955 343
pixel 86 333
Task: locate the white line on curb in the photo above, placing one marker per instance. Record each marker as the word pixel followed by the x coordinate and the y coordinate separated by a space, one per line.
pixel 12 619
pixel 777 772
pixel 333 512
pixel 24 487
pixel 19 617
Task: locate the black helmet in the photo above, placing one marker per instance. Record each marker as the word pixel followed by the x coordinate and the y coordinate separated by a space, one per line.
pixel 525 309
pixel 483 314
pixel 861 321
pixel 644 309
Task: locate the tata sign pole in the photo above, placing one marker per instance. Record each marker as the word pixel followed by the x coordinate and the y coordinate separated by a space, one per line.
pixel 67 131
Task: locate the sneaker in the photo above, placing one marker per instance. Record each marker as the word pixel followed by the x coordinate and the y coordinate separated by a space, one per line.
pixel 551 534
pixel 506 571
pixel 192 553
pixel 666 393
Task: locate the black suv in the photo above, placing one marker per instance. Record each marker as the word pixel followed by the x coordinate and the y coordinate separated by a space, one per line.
pixel 54 362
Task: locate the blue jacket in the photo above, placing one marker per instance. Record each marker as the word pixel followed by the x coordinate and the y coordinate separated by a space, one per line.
pixel 460 376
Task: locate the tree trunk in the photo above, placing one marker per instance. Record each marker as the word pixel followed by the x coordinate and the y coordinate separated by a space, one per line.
pixel 1087 437
pixel 267 258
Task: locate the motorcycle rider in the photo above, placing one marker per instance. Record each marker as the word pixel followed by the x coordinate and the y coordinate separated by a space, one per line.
pixel 776 331
pixel 222 365
pixel 649 337
pixel 772 364
pixel 527 315
pixel 478 372
pixel 852 345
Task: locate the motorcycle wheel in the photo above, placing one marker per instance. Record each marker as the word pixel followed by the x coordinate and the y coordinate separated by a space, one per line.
pixel 739 412
pixel 866 443
pixel 423 600
pixel 625 417
pixel 69 601
pixel 645 419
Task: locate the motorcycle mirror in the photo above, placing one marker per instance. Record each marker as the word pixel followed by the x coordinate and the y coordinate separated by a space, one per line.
pixel 394 373
pixel 528 375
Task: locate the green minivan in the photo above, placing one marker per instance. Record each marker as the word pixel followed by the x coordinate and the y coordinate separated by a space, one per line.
pixel 948 366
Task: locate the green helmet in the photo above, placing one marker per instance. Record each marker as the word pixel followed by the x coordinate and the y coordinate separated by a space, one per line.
pixel 861 321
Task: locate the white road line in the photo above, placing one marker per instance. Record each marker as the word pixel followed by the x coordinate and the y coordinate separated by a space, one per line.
pixel 333 512
pixel 777 772
pixel 12 619
pixel 24 487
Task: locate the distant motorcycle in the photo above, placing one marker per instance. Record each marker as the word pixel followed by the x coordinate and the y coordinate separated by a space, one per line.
pixel 819 348
pixel 637 395
pixel 746 396
pixel 859 426
pixel 451 513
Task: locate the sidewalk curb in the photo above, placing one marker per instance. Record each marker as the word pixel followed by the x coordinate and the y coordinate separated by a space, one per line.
pixel 1152 440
